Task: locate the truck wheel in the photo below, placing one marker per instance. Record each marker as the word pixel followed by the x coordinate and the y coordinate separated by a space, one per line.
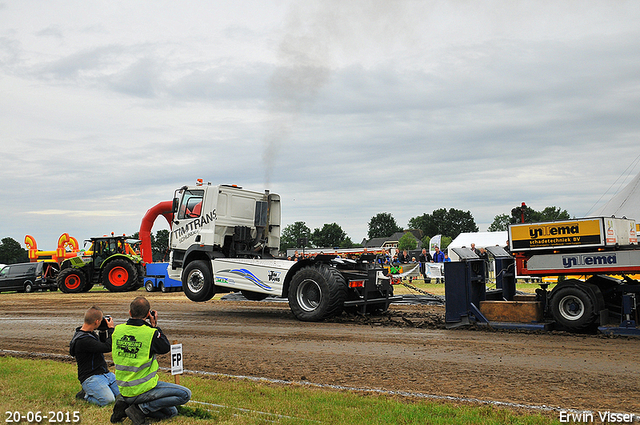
pixel 119 275
pixel 28 287
pixel 71 281
pixel 254 296
pixel 316 293
pixel 148 286
pixel 573 308
pixel 197 281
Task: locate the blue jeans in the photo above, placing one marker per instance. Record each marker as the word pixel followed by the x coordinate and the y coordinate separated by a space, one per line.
pixel 101 389
pixel 160 402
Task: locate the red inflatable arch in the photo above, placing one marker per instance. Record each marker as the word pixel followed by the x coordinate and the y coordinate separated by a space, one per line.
pixel 163 208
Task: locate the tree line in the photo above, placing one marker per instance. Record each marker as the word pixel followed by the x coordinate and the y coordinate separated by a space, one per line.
pixel 446 222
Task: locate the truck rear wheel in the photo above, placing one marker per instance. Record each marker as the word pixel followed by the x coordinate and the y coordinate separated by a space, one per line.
pixel 316 293
pixel 573 308
pixel 197 281
pixel 71 281
pixel 119 275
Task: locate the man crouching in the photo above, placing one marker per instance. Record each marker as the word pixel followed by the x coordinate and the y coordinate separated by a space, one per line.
pixel 135 345
pixel 98 384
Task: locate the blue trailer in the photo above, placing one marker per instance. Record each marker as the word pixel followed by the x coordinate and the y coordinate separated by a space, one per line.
pixel 157 279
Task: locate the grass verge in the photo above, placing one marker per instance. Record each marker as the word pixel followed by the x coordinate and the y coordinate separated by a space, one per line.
pixel 48 386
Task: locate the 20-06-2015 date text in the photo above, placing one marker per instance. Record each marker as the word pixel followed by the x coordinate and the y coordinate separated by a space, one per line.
pixel 51 417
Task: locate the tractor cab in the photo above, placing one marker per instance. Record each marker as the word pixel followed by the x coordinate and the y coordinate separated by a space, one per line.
pixel 107 246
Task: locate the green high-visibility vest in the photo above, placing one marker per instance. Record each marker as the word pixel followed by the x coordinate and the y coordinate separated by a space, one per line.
pixel 136 371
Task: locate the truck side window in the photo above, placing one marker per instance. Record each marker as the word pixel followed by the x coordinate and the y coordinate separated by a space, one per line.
pixel 191 205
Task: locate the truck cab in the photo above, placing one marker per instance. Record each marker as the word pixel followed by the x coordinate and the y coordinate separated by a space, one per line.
pixel 222 221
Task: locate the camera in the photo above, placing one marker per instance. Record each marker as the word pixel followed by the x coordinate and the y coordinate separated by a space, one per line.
pixel 152 313
pixel 103 325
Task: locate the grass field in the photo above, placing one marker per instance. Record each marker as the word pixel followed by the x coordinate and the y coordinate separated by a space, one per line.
pixel 49 387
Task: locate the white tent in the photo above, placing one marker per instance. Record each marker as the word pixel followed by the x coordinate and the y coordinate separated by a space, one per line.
pixel 625 203
pixel 481 239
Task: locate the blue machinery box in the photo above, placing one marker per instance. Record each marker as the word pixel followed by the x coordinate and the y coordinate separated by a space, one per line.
pixel 157 279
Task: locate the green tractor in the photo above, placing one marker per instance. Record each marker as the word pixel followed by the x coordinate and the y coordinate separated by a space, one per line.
pixel 110 262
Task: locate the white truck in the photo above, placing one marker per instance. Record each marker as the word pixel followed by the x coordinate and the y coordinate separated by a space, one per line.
pixel 225 238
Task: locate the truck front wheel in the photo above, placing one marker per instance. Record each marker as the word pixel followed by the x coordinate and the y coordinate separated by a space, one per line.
pixel 197 281
pixel 316 293
pixel 573 308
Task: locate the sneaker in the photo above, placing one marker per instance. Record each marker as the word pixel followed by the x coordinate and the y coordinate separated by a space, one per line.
pixel 119 413
pixel 134 413
pixel 80 395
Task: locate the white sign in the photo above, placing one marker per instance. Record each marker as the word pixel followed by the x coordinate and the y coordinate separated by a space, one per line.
pixel 176 359
pixel 434 269
pixel 433 242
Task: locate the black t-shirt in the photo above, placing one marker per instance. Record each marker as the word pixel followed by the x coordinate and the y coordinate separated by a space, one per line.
pixel 89 351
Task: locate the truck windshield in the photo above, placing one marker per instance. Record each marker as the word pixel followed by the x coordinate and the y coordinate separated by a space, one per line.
pixel 191 204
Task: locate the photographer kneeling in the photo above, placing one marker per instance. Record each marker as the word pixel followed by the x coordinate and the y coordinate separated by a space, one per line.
pixel 135 345
pixel 98 384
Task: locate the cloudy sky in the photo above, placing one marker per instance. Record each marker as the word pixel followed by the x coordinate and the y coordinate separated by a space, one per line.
pixel 345 108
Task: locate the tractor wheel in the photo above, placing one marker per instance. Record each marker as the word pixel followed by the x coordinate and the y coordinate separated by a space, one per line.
pixel 316 293
pixel 119 275
pixel 197 281
pixel 88 287
pixel 573 308
pixel 254 296
pixel 71 281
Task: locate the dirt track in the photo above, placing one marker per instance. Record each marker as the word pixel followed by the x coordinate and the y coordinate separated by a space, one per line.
pixel 265 340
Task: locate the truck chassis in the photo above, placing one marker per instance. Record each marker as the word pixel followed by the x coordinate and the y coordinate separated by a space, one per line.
pixel 316 289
